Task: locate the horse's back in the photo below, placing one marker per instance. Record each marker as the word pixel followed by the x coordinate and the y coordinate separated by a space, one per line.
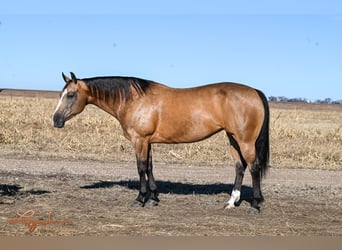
pixel 209 91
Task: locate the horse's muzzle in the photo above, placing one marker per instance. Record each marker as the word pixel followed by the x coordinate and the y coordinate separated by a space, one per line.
pixel 58 121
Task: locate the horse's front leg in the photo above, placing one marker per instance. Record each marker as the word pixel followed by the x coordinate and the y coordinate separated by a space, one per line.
pixel 153 194
pixel 147 190
pixel 142 167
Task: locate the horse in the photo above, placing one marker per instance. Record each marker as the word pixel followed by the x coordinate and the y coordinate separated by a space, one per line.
pixel 151 112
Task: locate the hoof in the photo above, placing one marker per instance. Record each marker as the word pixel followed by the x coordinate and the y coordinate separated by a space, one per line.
pixel 151 203
pixel 227 205
pixel 137 203
pixel 254 210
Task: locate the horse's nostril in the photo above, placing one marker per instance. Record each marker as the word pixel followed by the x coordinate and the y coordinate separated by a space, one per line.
pixel 58 124
pixel 58 121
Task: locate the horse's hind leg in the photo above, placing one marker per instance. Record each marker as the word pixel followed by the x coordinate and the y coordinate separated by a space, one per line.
pixel 236 192
pixel 240 167
pixel 249 154
pixel 244 155
pixel 256 182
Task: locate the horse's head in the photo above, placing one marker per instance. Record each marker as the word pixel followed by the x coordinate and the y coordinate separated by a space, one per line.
pixel 73 99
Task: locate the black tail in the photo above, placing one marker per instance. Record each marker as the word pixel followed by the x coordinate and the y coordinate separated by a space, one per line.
pixel 262 144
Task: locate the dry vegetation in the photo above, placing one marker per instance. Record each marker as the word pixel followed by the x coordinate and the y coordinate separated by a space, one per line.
pixel 302 136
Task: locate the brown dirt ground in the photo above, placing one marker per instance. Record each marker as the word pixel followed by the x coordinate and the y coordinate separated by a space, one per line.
pixel 96 198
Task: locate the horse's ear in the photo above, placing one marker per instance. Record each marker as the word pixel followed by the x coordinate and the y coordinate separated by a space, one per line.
pixel 65 78
pixel 73 77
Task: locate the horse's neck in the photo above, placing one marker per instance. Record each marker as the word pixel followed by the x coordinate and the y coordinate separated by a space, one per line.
pixel 109 106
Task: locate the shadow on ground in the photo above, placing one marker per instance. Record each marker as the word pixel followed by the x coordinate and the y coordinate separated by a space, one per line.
pixel 14 190
pixel 167 187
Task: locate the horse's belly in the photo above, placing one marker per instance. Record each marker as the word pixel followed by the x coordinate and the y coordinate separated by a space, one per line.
pixel 184 133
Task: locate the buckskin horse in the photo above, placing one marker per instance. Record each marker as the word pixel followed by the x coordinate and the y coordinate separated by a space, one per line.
pixel 150 112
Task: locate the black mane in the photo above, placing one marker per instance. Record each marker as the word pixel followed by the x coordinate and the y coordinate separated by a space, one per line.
pixel 116 87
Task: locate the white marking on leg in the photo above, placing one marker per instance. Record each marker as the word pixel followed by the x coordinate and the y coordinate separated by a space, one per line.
pixel 60 100
pixel 235 197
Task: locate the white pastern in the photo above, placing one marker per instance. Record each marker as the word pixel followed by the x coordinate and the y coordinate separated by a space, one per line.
pixel 235 197
pixel 60 100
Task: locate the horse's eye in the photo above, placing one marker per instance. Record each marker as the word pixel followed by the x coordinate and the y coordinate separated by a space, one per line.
pixel 71 94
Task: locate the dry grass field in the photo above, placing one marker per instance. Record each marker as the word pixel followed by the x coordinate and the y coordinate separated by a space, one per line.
pixel 85 173
pixel 302 135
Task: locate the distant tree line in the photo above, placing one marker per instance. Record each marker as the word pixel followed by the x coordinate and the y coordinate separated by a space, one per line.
pixel 319 101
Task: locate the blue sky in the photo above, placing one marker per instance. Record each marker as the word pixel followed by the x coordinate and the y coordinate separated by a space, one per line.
pixel 285 48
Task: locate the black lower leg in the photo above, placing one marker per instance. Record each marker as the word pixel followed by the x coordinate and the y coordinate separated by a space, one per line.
pixel 139 201
pixel 240 168
pixel 256 181
pixel 239 174
pixel 152 198
pixel 236 192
